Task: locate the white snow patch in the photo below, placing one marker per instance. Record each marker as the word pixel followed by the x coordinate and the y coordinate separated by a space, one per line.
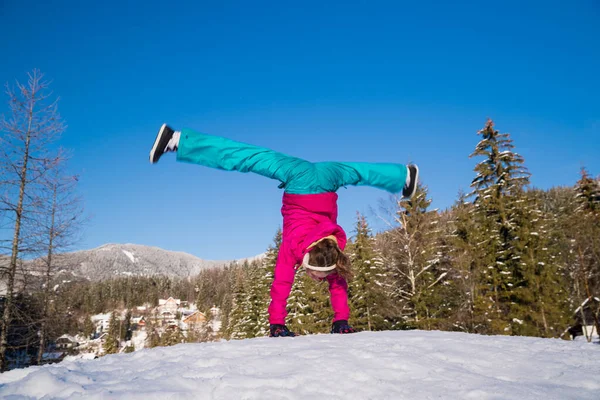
pixel 366 365
pixel 129 255
pixel 138 339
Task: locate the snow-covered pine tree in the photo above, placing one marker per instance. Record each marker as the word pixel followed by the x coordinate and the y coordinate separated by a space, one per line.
pixel 500 178
pixel 203 291
pixel 172 336
pixel 88 327
pixel 263 286
pixel 153 337
pixel 469 313
pixel 586 240
pixel 111 343
pixel 587 194
pixel 366 295
pixel 297 305
pixel 309 306
pixel 539 299
pixel 259 282
pixel 227 302
pixel 239 321
pixel 254 299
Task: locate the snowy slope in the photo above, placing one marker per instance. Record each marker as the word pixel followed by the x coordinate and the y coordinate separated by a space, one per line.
pixel 113 260
pixel 367 365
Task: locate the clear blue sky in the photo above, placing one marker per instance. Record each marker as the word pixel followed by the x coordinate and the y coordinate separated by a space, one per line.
pixel 348 81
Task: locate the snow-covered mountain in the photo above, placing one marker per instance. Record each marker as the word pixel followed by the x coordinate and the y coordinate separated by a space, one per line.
pixel 368 365
pixel 113 260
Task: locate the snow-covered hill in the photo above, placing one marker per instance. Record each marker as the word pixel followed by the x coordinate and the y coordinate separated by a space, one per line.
pixel 368 365
pixel 111 260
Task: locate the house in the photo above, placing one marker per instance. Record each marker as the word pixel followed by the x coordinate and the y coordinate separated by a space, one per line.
pixel 170 305
pixel 101 322
pixel 167 318
pixel 138 322
pixel 66 342
pixel 194 320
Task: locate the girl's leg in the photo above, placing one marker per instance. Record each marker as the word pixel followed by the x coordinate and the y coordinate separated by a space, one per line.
pixel 338 289
pixel 226 154
pixel 229 155
pixel 393 178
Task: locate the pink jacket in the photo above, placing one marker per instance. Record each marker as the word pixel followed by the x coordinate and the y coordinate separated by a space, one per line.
pixel 306 219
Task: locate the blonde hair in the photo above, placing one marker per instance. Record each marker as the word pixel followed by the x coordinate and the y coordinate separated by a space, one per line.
pixel 326 252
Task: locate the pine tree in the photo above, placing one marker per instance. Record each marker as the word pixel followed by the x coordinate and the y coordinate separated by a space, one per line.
pixel 126 327
pixel 88 327
pixel 153 339
pixel 500 179
pixel 317 314
pixel 111 343
pixel 468 314
pixel 539 299
pixel 129 349
pixel 309 305
pixel 172 337
pixel 239 326
pixel 297 305
pixel 585 241
pixel 588 194
pixel 366 295
pixel 256 300
pixel 262 285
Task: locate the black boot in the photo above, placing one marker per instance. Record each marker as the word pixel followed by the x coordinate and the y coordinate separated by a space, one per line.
pixel 277 330
pixel 342 326
pixel 410 189
pixel 165 134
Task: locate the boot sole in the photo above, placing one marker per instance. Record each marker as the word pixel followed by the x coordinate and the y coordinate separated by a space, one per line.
pixel 157 142
pixel 416 182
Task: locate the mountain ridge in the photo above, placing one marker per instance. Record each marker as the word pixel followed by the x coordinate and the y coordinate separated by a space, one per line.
pixel 128 259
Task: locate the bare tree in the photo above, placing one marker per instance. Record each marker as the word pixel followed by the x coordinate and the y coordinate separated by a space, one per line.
pixel 33 124
pixel 413 261
pixel 61 217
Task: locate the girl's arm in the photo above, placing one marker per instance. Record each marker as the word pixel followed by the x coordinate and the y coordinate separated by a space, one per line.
pixel 281 286
pixel 387 176
pixel 229 155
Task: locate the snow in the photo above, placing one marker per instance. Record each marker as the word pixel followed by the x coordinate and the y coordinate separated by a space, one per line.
pixel 81 356
pixel 129 255
pixel 138 339
pixel 366 365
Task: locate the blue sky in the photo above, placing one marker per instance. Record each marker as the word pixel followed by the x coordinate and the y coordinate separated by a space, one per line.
pixel 345 81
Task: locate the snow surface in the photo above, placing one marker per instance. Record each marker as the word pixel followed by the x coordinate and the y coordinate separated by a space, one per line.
pixel 367 365
pixel 129 255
